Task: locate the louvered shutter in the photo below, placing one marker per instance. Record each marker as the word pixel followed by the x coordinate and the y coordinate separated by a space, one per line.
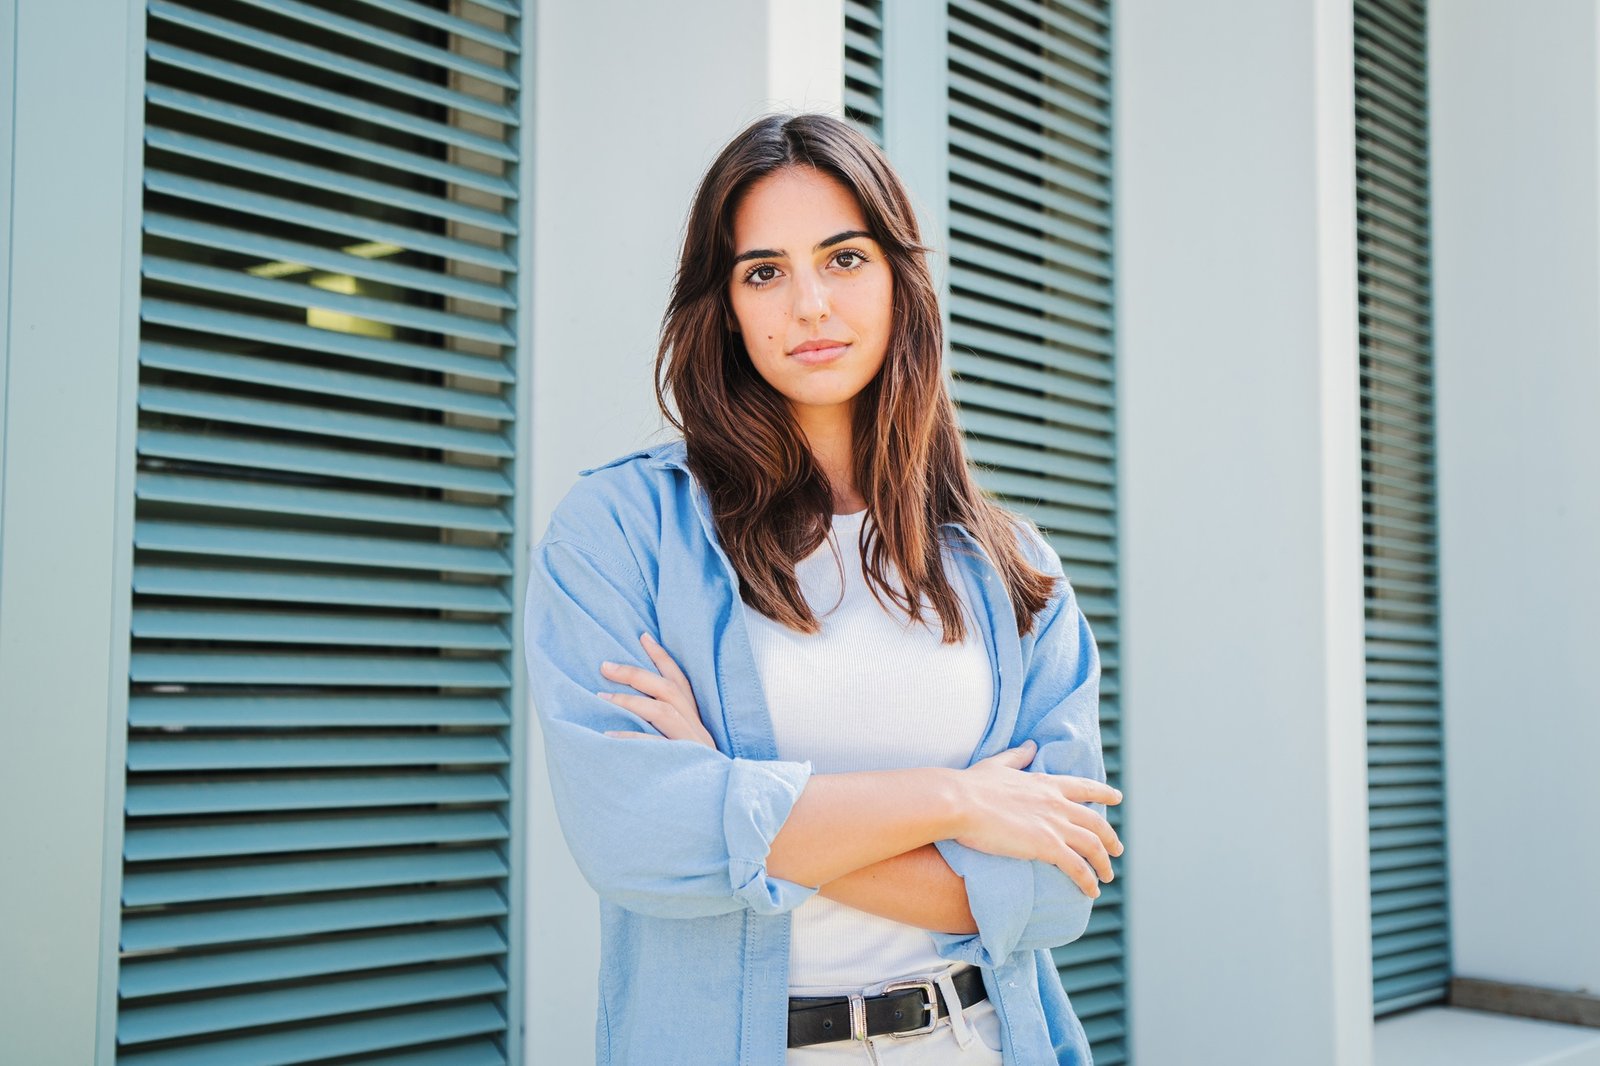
pixel 1032 346
pixel 1410 916
pixel 318 851
pixel 863 66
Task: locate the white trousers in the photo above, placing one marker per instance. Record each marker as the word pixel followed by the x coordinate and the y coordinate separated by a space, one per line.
pixel 971 1039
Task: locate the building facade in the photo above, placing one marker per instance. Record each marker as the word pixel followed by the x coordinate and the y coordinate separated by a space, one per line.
pixel 1278 319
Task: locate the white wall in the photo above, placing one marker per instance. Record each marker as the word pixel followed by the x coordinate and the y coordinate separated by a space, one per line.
pixel 1515 112
pixel 1248 929
pixel 632 102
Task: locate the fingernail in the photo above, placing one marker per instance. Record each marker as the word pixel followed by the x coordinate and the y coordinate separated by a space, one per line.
pixel 603 695
pixel 1030 745
pixel 646 638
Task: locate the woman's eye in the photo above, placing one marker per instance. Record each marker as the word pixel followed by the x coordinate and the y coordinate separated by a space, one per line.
pixel 752 279
pixel 857 256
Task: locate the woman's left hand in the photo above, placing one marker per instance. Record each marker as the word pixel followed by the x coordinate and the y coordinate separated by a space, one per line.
pixel 668 702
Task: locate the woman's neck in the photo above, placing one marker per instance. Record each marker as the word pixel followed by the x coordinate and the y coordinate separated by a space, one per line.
pixel 829 435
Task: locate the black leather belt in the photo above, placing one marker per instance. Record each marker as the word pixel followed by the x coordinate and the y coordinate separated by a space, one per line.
pixel 905 1008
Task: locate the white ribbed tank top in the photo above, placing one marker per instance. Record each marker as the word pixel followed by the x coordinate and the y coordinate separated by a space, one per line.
pixel 871 691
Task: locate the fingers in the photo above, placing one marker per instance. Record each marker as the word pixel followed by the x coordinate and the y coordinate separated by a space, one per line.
pixel 663 716
pixel 1086 790
pixel 1077 868
pixel 1090 847
pixel 1018 757
pixel 631 733
pixel 664 662
pixel 651 684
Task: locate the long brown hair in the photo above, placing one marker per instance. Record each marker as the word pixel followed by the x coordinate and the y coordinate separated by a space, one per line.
pixel 771 501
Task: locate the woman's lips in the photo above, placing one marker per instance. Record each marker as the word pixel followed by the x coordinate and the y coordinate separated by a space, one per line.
pixel 820 355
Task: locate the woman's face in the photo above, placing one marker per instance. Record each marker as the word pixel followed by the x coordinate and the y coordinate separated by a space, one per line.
pixel 805 271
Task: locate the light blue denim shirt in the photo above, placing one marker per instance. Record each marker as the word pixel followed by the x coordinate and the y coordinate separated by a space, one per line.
pixel 674 836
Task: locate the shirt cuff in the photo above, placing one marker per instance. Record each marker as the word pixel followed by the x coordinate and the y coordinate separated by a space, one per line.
pixel 761 793
pixel 1000 894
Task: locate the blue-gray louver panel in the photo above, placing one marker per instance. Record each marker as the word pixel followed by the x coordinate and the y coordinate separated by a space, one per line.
pixel 863 66
pixel 1032 350
pixel 1410 914
pixel 318 857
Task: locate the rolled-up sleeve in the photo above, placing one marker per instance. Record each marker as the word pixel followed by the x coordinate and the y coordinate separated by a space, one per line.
pixel 1020 904
pixel 670 828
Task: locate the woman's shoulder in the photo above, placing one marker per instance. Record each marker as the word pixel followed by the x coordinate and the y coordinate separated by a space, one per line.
pixel 1035 547
pixel 670 452
pixel 610 499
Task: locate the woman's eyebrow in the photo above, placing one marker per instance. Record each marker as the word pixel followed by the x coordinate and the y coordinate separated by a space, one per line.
pixel 773 253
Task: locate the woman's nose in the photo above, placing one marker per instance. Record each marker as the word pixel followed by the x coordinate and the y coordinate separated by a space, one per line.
pixel 810 299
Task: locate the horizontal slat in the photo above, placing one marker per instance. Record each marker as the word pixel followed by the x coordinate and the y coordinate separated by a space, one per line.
pixel 264 668
pixel 1020 400
pixel 311 793
pixel 311 547
pixel 1057 54
pixel 164 930
pixel 324 180
pixel 455 24
pixel 272 751
pixel 142 1025
pixel 310 1043
pixel 1028 293
pixel 1047 465
pixel 476 1053
pixel 142 887
pixel 298 294
pixel 323 381
pixel 299 213
pixel 342 64
pixel 163 975
pixel 246 496
pixel 283 627
pixel 369 34
pixel 150 844
pixel 1028 260
pixel 1052 374
pixel 1036 435
pixel 172 711
pixel 1045 182
pixel 1046 141
pixel 244 242
pixel 278 334
pixel 385 471
pixel 280 587
pixel 348 105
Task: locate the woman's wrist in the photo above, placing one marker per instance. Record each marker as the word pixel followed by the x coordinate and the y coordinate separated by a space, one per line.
pixel 947 795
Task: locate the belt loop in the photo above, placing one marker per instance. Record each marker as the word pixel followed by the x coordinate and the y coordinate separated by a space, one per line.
pixel 953 1006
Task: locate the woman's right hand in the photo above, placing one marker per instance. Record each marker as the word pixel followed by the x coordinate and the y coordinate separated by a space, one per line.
pixel 1008 811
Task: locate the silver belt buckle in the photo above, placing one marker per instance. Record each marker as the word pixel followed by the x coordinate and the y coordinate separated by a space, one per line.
pixel 929 990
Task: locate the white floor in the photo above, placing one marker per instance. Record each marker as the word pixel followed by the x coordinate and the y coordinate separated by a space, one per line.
pixel 1451 1036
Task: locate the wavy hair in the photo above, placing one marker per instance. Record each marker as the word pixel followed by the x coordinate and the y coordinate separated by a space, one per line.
pixel 771 501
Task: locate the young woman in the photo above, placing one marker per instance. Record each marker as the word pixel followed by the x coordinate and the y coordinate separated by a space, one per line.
pixel 821 718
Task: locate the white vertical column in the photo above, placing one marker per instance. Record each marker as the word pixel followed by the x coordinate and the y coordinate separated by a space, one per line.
pixel 631 103
pixel 1242 571
pixel 805 55
pixel 71 117
pixel 1516 229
